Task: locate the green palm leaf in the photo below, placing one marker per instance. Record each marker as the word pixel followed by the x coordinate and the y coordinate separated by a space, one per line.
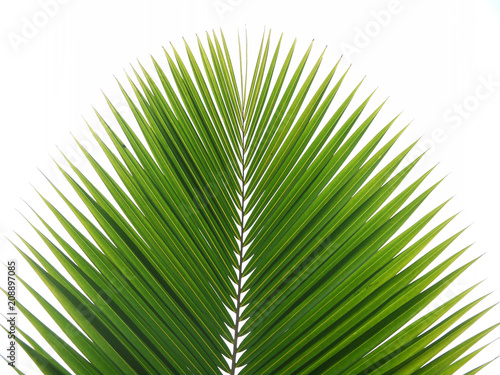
pixel 245 228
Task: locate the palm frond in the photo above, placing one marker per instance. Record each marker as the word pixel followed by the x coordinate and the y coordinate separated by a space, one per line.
pixel 247 226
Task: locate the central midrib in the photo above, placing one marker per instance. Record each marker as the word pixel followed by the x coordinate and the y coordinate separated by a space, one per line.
pixel 240 260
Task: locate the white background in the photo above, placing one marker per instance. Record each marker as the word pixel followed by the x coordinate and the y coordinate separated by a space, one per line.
pixel 431 57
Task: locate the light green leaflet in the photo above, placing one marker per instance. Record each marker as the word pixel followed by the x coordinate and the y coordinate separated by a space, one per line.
pixel 248 173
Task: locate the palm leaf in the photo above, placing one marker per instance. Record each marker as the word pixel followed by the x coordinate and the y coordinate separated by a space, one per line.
pixel 247 226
